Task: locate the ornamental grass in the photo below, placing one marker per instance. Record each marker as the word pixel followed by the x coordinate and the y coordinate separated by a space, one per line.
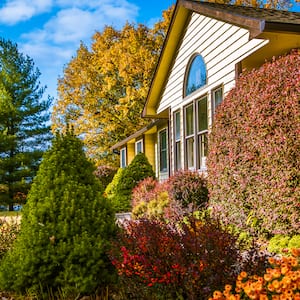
pixel 280 282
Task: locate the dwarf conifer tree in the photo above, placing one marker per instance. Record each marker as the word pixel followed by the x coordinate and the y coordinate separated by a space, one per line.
pixel 119 191
pixel 66 227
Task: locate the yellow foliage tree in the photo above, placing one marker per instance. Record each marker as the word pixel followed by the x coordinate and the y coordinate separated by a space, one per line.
pixel 103 90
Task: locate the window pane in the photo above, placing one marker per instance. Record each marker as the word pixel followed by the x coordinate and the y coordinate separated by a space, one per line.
pixel 202 114
pixel 202 140
pixel 189 120
pixel 163 150
pixel 218 97
pixel 123 158
pixel 177 156
pixel 196 75
pixel 190 153
pixel 177 125
pixel 138 147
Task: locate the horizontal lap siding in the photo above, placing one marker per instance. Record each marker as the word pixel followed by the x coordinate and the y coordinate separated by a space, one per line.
pixel 221 45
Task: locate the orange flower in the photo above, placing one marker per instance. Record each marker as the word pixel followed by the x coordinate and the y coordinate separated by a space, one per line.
pixel 243 274
pixel 268 277
pixel 228 287
pixel 217 295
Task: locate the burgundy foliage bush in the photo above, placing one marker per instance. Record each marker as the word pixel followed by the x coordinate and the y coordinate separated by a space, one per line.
pixel 105 174
pixel 189 187
pixel 254 150
pixel 156 258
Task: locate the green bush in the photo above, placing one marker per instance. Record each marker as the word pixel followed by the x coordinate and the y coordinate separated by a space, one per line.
pixel 253 159
pixel 65 229
pixel 119 191
pixel 281 243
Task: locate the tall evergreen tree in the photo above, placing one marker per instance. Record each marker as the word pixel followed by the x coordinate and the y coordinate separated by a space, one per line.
pixel 65 229
pixel 24 127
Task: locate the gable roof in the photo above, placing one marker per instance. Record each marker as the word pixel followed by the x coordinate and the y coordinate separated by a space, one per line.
pixel 256 20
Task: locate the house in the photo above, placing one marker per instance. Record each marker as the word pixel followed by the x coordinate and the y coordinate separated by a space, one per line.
pixel 206 48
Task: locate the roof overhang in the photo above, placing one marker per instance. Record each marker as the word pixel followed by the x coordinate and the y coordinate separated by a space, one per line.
pixel 181 16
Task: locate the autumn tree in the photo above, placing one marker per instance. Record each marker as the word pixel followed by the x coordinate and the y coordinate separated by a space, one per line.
pixel 24 131
pixel 103 89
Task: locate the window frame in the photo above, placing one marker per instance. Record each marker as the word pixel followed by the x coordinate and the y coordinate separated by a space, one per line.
pixel 213 99
pixel 123 154
pixel 202 135
pixel 163 152
pixel 189 161
pixel 187 73
pixel 139 142
pixel 177 140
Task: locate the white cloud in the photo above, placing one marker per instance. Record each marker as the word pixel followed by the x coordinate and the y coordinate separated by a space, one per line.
pixel 14 11
pixel 53 45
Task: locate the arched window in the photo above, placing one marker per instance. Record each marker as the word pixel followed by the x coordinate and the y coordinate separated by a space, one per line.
pixel 196 75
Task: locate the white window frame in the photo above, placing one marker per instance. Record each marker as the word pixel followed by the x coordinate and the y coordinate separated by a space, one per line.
pixel 123 157
pixel 163 170
pixel 137 143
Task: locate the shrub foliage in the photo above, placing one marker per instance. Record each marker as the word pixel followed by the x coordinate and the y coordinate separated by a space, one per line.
pixel 65 229
pixel 254 156
pixel 119 191
pixel 156 258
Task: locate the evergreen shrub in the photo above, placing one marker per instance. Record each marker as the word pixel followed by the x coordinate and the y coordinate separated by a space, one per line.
pixel 120 190
pixel 65 230
pixel 253 159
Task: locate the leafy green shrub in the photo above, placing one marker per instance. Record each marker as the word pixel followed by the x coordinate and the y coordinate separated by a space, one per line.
pixel 120 190
pixel 281 243
pixel 156 260
pixel 105 174
pixel 189 187
pixel 65 229
pixel 253 160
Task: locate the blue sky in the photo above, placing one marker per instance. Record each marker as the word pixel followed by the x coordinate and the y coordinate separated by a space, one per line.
pixel 50 31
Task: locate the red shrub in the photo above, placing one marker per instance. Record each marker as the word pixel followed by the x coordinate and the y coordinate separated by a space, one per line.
pixel 253 161
pixel 155 257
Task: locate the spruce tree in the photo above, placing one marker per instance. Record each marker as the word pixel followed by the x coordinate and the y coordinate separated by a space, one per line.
pixel 66 227
pixel 24 126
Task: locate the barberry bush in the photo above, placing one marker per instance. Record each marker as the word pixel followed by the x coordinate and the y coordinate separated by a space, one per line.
pixel 253 160
pixel 149 199
pixel 189 188
pixel 105 174
pixel 157 259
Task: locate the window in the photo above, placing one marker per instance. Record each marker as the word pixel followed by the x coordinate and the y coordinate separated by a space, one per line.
pixel 123 159
pixel 196 130
pixel 138 147
pixel 163 151
pixel 217 98
pixel 196 75
pixel 202 127
pixel 189 136
pixel 177 139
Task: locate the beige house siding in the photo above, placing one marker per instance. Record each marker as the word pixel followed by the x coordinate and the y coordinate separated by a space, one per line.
pixel 221 46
